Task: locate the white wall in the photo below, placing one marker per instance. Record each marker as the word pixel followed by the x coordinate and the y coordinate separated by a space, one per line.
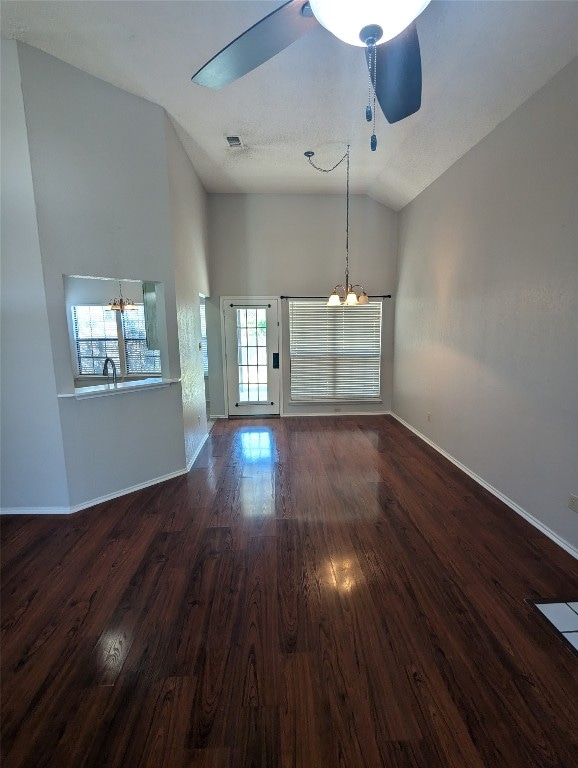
pixel 272 245
pixel 99 170
pixel 487 308
pixel 33 473
pixel 123 442
pixel 189 230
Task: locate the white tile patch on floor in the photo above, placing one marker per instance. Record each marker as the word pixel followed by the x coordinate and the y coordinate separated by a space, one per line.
pixel 562 615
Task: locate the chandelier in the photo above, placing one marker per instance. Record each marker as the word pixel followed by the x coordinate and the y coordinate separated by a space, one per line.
pixel 120 304
pixel 345 294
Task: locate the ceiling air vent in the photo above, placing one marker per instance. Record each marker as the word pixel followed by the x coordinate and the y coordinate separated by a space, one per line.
pixel 234 141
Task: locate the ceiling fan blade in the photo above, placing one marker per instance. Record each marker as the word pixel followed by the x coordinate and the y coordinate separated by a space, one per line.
pixel 257 44
pixel 398 75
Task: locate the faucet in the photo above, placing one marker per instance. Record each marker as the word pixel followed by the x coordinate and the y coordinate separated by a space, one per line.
pixel 105 370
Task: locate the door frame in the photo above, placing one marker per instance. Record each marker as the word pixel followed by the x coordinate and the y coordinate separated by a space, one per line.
pixel 226 300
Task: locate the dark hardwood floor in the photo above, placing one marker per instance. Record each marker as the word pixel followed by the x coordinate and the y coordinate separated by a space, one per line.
pixel 315 593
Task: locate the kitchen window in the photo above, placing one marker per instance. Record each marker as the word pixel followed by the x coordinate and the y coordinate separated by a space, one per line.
pixel 100 332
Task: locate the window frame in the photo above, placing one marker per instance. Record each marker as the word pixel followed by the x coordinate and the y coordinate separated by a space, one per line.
pixel 120 340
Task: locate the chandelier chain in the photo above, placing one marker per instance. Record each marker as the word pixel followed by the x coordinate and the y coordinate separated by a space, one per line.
pixel 351 297
pixel 368 111
pixel 347 223
pixel 374 140
pixel 328 170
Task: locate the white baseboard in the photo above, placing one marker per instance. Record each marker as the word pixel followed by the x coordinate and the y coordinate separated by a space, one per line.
pixel 107 497
pixel 35 511
pixel 284 414
pixel 338 413
pixel 90 502
pixel 495 492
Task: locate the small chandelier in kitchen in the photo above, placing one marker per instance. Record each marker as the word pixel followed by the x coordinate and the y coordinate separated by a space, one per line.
pixel 120 304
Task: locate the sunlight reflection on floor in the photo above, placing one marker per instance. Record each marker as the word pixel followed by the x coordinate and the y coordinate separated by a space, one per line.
pixel 257 445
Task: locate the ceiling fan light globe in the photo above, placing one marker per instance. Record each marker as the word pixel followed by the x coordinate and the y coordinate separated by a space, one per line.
pixel 346 20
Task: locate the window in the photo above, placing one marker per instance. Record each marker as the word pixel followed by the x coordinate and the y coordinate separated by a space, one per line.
pixel 252 354
pixel 335 352
pixel 100 332
pixel 204 337
pixel 139 358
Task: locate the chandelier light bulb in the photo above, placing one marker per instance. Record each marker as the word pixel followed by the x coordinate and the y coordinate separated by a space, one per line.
pixel 346 20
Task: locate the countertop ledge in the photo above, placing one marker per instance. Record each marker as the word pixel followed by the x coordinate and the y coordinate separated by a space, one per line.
pixel 121 388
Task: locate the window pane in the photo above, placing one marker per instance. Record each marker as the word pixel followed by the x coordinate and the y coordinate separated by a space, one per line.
pixel 335 352
pixel 95 334
pixel 204 338
pixel 139 358
pixel 252 354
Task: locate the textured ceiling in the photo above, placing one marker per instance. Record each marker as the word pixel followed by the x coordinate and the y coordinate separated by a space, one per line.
pixel 481 60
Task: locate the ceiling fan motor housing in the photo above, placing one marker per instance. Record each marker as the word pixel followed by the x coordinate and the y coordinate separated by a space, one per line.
pixel 371 34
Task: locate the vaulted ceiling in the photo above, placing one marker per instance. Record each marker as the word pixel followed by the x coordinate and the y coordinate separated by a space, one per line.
pixel 481 59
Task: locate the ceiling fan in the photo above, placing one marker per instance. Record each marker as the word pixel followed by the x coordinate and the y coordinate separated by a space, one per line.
pixel 386 30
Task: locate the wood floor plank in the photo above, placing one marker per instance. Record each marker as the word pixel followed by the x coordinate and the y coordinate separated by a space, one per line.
pixel 305 723
pixel 213 665
pixel 159 737
pixel 291 604
pixel 257 665
pixel 314 593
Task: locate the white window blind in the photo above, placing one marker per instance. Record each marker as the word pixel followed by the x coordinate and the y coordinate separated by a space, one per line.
pixel 139 358
pixel 96 338
pixel 204 339
pixel 335 351
pixel 100 332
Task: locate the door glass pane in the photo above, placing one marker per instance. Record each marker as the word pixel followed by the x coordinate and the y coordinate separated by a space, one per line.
pixel 252 355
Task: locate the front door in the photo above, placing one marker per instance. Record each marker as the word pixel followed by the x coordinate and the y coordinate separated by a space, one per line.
pixel 251 341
